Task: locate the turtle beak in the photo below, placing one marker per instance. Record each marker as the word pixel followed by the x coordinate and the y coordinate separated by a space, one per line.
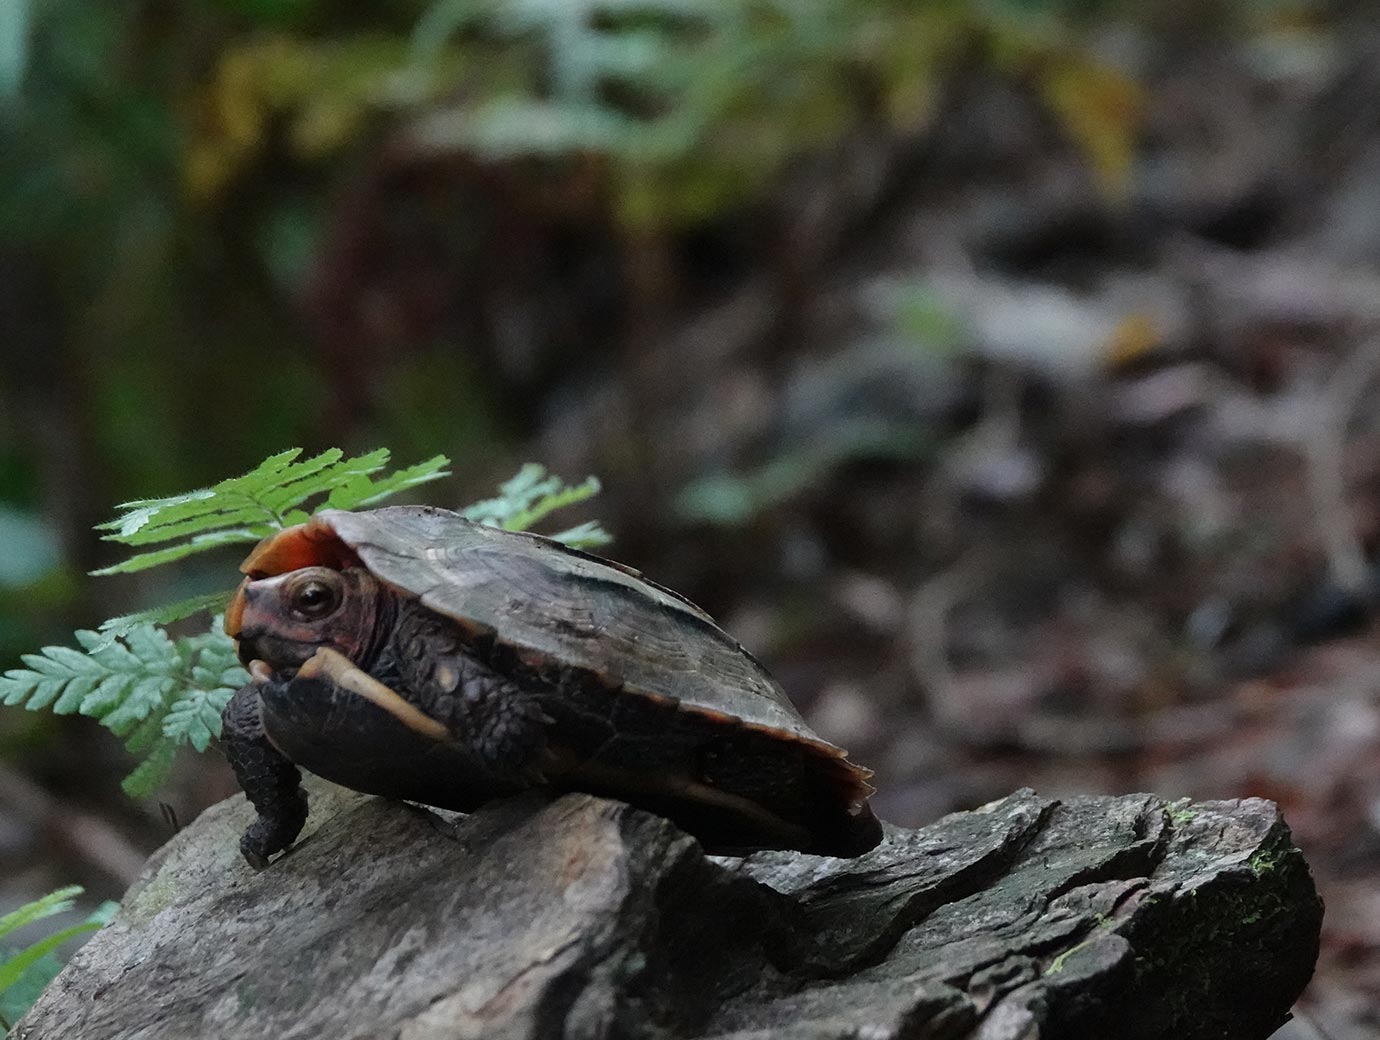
pixel 243 623
pixel 234 613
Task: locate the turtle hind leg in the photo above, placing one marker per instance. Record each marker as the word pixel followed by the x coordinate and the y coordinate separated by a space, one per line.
pixel 270 781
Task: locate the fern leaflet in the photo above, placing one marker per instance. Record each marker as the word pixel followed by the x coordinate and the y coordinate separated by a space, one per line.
pixel 154 691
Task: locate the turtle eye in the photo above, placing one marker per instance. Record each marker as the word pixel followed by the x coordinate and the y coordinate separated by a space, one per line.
pixel 314 598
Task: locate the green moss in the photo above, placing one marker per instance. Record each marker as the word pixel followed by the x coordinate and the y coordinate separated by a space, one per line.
pixel 1057 965
pixel 1259 911
pixel 1265 861
pixel 1101 923
pixel 1182 812
pixel 152 899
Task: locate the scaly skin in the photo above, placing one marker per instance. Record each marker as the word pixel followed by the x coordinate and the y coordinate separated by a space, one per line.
pixel 272 783
pixel 497 717
pixel 425 661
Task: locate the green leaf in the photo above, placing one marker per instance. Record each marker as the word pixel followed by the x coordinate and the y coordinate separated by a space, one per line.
pixel 156 692
pixel 45 692
pixel 362 491
pixel 531 496
pixel 24 974
pixel 588 535
pixel 17 1000
pixel 196 544
pixel 244 515
pixel 73 695
pixel 195 717
pixel 315 478
pixel 204 500
pixel 549 502
pixel 16 966
pixel 107 696
pixel 246 508
pixel 65 659
pixel 152 646
pixel 153 772
pixel 53 903
pixel 147 695
pixel 213 603
pixel 146 736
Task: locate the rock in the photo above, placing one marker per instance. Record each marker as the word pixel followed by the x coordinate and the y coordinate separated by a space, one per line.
pixel 580 917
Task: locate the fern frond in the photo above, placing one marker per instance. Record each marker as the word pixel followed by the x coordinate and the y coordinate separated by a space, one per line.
pixel 588 535
pixel 363 491
pixel 34 965
pixel 195 544
pixel 530 496
pixel 156 692
pixel 249 507
pixel 153 772
pixel 194 719
pixel 53 903
pixel 550 500
pixel 211 603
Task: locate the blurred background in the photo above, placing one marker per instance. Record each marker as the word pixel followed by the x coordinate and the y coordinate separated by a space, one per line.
pixel 1005 374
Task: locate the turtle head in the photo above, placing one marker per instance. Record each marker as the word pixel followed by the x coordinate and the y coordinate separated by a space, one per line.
pixel 285 619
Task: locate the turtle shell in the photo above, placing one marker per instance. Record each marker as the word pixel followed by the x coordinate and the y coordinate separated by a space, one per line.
pixel 561 610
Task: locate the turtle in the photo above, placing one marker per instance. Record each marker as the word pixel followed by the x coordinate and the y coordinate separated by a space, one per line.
pixel 412 653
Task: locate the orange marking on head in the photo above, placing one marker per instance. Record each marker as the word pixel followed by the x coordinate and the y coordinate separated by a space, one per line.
pixel 234 613
pixel 312 544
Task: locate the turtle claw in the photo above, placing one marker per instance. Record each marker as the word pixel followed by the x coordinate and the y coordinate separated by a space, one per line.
pixel 275 831
pixel 261 842
pixel 255 859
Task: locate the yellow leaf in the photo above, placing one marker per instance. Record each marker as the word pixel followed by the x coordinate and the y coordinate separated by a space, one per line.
pixel 327 88
pixel 1100 109
pixel 1135 336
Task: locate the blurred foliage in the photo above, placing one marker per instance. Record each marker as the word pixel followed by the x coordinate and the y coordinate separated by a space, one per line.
pixel 530 497
pixel 31 552
pixel 227 225
pixel 160 693
pixel 676 109
pixel 176 176
pixel 25 971
pixel 732 499
pixel 14 45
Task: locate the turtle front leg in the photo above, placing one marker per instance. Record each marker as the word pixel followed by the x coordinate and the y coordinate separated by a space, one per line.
pixel 270 781
pixel 504 724
pixel 498 719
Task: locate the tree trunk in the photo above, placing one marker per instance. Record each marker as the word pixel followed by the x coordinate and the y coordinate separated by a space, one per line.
pixel 578 917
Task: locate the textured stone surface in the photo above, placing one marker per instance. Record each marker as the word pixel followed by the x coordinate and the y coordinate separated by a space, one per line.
pixel 1095 917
